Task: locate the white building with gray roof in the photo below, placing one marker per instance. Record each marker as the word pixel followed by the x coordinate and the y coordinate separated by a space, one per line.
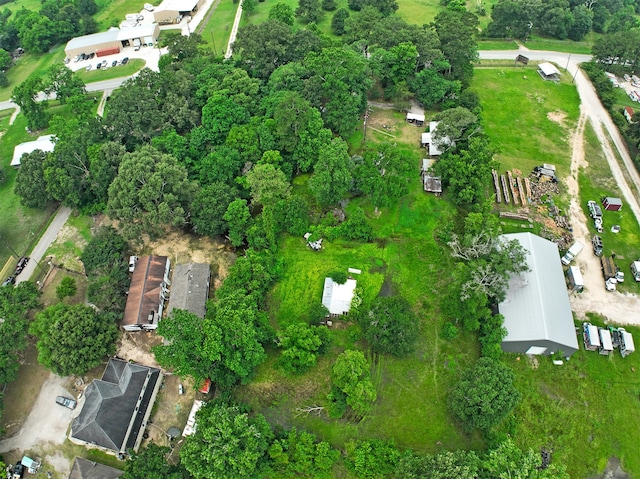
pixel 537 313
pixel 190 288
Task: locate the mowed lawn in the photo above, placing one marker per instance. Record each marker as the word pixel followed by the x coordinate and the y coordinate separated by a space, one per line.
pixel 527 119
pixel 405 259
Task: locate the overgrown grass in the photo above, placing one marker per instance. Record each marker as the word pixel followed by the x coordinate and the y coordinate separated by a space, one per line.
pixel 134 65
pixel 497 45
pixel 405 259
pixel 218 28
pixel 418 11
pixel 596 182
pixel 30 64
pixel 516 105
pixel 569 46
pixel 584 410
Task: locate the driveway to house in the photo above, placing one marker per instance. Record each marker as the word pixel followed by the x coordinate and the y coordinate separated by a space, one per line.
pixel 618 307
pixel 43 244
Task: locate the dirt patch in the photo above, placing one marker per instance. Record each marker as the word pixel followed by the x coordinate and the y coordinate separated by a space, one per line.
pixel 183 248
pixel 612 471
pixel 137 346
pixel 558 117
pixel 66 248
pixel 384 125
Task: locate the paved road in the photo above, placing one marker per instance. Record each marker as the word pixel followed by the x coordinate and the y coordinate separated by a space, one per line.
pixel 45 241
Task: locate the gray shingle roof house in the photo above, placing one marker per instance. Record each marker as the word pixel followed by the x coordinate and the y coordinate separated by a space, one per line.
pixel 536 311
pixel 85 469
pixel 117 407
pixel 190 288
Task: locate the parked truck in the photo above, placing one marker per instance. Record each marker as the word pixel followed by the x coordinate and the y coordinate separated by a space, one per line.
pixel 574 278
pixel 612 274
pixel 623 340
pixel 635 270
pixel 572 253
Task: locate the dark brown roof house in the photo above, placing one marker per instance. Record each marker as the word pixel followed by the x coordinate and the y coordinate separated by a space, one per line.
pixel 147 294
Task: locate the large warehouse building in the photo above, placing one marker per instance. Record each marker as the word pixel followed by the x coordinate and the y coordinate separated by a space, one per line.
pixel 113 40
pixel 172 11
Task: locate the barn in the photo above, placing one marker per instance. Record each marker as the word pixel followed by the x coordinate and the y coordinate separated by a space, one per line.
pixel 172 11
pixel 536 310
pixel 113 40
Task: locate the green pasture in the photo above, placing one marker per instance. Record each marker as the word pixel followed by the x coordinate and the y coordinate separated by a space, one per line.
pixel 569 46
pixel 496 44
pixel 218 28
pixel 405 259
pixel 585 410
pixel 134 65
pixel 20 227
pixel 30 64
pixel 596 182
pixel 516 106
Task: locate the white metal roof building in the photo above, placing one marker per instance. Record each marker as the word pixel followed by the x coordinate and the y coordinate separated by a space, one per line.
pixel 337 297
pixel 536 311
pixel 44 143
pixel 170 11
pixel 548 71
pixel 112 38
pixel 428 140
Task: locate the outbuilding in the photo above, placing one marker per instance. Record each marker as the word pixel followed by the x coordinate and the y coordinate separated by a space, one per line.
pixel 430 142
pixel 43 143
pixel 113 40
pixel 536 310
pixel 415 119
pixel 337 297
pixel 628 113
pixel 548 72
pixel 612 204
pixel 173 11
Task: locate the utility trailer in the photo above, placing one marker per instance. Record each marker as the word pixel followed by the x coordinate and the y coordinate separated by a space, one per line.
pixel 622 339
pixel 606 344
pixel 590 336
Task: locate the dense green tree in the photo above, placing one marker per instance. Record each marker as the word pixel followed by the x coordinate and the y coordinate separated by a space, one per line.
pixel 328 5
pixel 582 22
pixel 338 21
pixel 555 19
pixel 332 174
pixel 151 461
pixel 151 192
pixel 623 20
pixel 222 164
pixel 508 461
pixel 301 344
pixel 391 326
pixel 267 184
pixel 221 113
pixel 228 443
pixel 24 95
pixel 444 465
pixel 209 207
pixel 15 304
pixel 73 339
pixel 395 64
pixel 66 288
pixel 238 219
pixel 63 82
pixel 351 384
pixel 337 86
pixel 457 30
pixel 282 13
pixel 30 183
pixel 513 19
pixel 357 226
pixel 309 11
pixel 105 249
pixel 374 459
pixel 456 125
pixel 5 60
pixel 104 161
pixel 430 87
pixel 183 349
pixel 299 455
pixel 484 396
pixel 233 339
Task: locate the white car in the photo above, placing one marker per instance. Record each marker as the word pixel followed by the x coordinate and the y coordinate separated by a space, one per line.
pixel 148 7
pixel 132 263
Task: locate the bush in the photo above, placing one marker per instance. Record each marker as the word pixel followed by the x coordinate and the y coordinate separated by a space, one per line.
pixel 339 277
pixel 66 288
pixel 301 345
pixel 449 331
pixel 329 5
pixel 390 326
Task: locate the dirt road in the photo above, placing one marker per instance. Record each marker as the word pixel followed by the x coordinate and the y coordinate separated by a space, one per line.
pixel 622 307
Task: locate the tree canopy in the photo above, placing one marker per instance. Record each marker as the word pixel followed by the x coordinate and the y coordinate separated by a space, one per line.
pixel 73 339
pixel 352 386
pixel 390 326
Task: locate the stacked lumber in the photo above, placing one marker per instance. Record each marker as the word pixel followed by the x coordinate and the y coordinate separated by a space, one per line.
pixel 505 189
pixel 513 189
pixel 496 185
pixel 514 216
pixel 527 185
pixel 523 198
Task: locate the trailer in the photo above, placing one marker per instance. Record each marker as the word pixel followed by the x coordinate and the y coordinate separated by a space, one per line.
pixel 635 270
pixel 574 276
pixel 590 337
pixel 606 345
pixel 623 340
pixel 107 51
pixel 610 270
pixel 572 253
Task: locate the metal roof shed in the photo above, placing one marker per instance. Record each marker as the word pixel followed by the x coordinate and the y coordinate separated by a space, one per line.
pixel 536 311
pixel 612 204
pixel 44 143
pixel 548 71
pixel 337 297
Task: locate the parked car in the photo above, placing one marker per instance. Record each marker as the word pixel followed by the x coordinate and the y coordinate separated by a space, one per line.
pixel 125 60
pixel 596 241
pixel 148 7
pixel 91 55
pixel 114 63
pixel 22 262
pixel 132 263
pixel 99 66
pixel 67 60
pixel 66 402
pixel 104 63
pixel 88 68
pixel 9 281
pixel 180 389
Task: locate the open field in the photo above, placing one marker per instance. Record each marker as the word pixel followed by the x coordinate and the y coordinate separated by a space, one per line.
pixel 30 64
pixel 539 43
pixel 218 28
pixel 529 121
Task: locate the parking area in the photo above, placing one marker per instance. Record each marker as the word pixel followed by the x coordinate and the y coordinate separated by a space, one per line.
pixel 150 55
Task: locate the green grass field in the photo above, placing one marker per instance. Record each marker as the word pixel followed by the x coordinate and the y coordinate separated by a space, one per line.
pixel 95 75
pixel 218 28
pixel 538 43
pixel 19 227
pixel 517 104
pixel 30 64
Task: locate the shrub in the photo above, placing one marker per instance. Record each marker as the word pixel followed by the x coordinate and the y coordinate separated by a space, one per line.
pixel 339 277
pixel 449 331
